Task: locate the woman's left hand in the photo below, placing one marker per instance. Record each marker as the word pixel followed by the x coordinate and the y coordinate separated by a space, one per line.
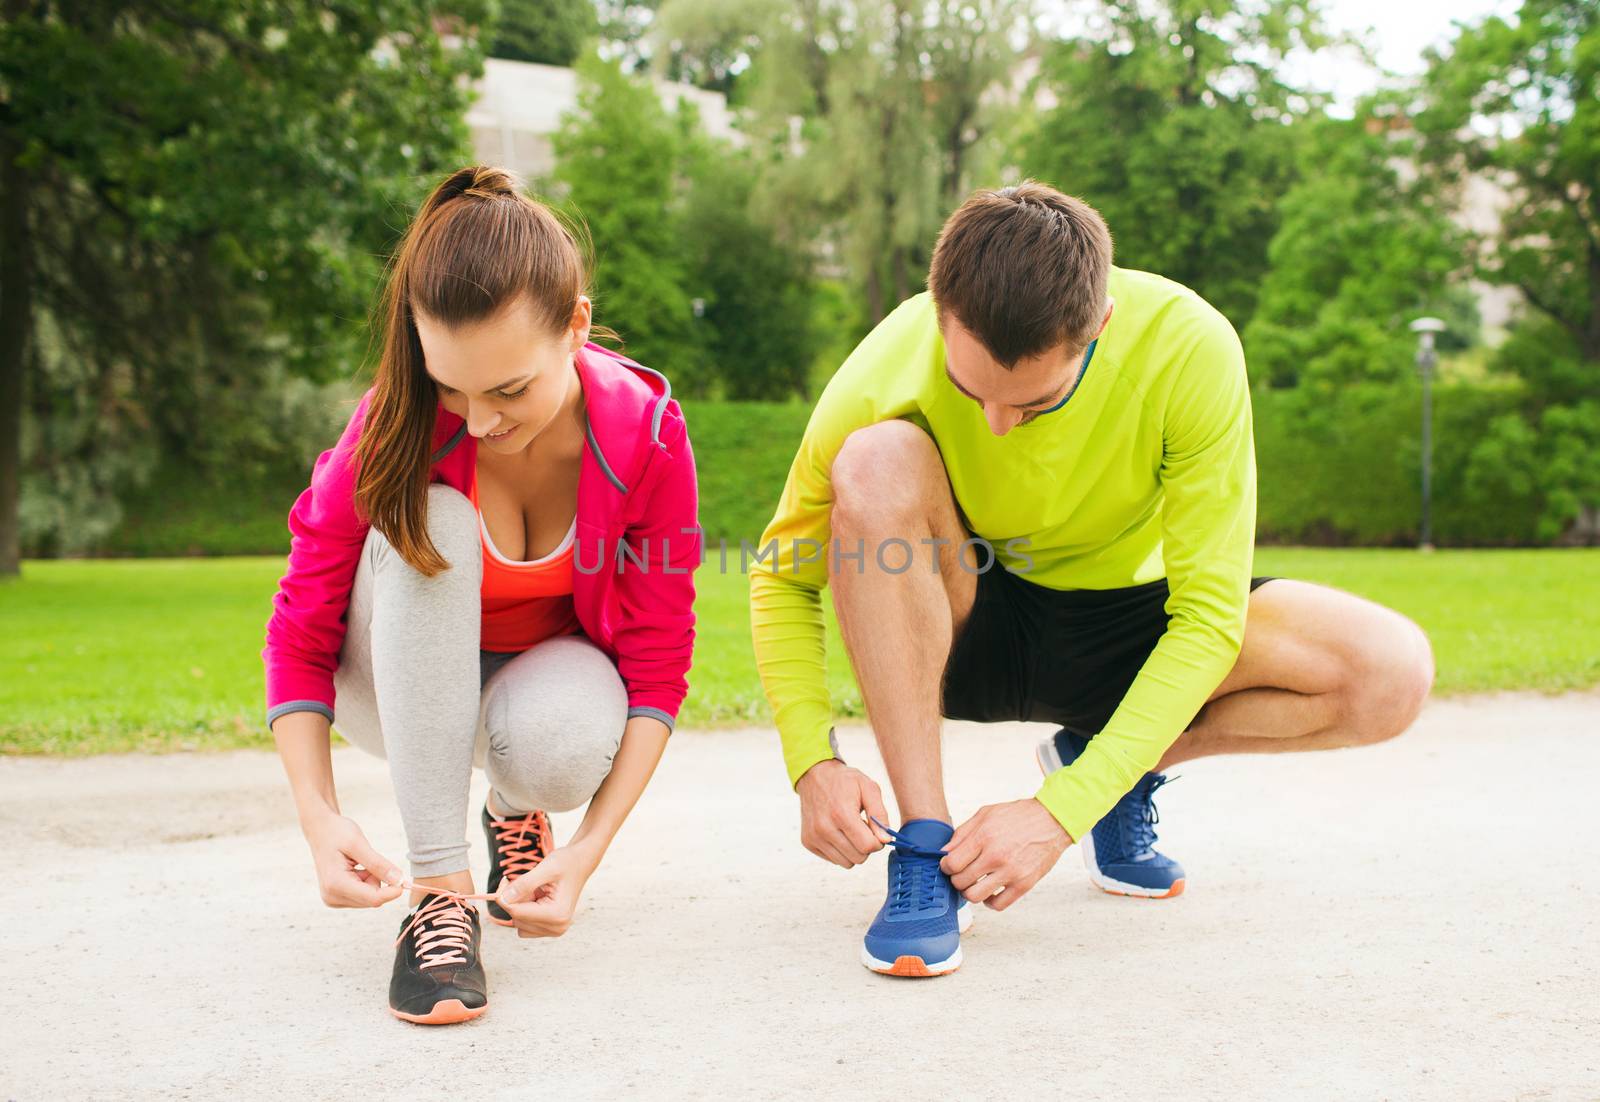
pixel 541 902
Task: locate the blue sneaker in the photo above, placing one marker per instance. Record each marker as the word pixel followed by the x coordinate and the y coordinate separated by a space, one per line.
pixel 917 931
pixel 1120 851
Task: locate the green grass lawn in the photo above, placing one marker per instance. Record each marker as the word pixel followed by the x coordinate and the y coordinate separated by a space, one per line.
pixel 161 654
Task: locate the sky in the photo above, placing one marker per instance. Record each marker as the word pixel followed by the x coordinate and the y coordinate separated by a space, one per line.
pixel 1395 31
pixel 1400 31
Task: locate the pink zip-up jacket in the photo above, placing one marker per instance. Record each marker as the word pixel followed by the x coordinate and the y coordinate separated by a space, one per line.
pixel 637 543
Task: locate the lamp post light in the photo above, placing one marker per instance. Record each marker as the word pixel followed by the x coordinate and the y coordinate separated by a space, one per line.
pixel 1425 328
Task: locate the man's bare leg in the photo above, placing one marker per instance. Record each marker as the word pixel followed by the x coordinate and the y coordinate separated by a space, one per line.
pixel 1319 669
pixel 890 485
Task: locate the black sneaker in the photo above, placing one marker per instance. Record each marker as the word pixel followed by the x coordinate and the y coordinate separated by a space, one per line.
pixel 516 844
pixel 438 976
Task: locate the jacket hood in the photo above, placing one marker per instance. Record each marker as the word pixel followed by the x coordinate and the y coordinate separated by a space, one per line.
pixel 626 404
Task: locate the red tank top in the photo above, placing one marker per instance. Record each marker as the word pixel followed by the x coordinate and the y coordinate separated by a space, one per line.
pixel 524 602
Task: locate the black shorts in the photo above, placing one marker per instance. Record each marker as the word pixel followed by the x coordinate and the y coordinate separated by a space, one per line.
pixel 1052 656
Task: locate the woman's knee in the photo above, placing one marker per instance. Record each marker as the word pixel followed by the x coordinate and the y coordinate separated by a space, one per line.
pixel 452 529
pixel 554 717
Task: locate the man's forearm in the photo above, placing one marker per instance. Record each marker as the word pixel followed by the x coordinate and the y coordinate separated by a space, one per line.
pixel 789 636
pixel 1183 670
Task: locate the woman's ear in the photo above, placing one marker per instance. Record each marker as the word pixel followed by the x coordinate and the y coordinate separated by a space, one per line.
pixel 578 326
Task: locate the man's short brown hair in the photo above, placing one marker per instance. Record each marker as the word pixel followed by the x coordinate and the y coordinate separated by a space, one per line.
pixel 1023 269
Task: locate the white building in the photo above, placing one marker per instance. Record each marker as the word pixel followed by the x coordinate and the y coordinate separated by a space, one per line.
pixel 520 106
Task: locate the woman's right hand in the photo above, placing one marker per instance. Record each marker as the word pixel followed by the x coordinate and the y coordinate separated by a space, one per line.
pixel 337 848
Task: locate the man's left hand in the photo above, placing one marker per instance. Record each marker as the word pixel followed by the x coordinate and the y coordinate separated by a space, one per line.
pixel 996 856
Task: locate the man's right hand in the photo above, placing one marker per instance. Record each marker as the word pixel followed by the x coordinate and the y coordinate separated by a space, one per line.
pixel 832 798
pixel 337 847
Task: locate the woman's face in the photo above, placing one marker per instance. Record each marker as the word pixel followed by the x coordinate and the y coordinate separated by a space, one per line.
pixel 506 376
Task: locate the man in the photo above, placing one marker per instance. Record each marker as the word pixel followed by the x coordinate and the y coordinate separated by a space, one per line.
pixel 1084 432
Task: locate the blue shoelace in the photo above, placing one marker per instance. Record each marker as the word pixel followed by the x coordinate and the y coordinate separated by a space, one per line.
pixel 1139 834
pixel 916 882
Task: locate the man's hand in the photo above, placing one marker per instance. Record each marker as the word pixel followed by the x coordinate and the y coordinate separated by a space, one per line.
pixel 996 856
pixel 832 798
pixel 542 901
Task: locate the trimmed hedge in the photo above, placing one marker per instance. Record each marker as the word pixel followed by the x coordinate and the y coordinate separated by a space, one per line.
pixel 742 452
pixel 1345 468
pixel 1340 468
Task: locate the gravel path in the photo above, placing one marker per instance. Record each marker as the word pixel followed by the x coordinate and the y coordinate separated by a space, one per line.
pixel 1417 920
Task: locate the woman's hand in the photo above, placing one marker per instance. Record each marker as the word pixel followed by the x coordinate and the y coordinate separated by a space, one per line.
pixel 337 848
pixel 541 902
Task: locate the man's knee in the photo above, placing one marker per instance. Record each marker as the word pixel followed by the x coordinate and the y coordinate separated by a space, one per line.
pixel 1387 679
pixel 884 470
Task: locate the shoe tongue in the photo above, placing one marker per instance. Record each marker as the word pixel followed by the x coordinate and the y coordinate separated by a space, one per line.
pixel 927 833
pixel 432 898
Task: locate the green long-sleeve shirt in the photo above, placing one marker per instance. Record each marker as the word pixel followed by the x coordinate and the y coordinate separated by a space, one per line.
pixel 1148 471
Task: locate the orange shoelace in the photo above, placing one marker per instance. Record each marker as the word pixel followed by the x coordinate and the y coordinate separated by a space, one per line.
pixel 521 843
pixel 445 934
pixel 450 929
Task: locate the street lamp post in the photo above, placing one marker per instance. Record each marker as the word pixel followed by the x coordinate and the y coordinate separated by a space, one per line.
pixel 1425 328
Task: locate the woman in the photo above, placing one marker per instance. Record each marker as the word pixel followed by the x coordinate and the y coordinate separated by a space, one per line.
pixel 491 567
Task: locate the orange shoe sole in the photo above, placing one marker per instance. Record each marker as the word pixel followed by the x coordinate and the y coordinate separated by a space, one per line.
pixel 447 1012
pixel 912 966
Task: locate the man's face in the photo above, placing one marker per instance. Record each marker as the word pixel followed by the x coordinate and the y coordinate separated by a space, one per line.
pixel 1009 396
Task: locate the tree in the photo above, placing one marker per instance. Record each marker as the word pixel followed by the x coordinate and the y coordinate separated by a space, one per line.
pixel 693 280
pixel 759 298
pixel 619 158
pixel 1519 104
pixel 550 32
pixel 1173 120
pixel 625 31
pixel 1364 245
pixel 871 118
pixel 196 195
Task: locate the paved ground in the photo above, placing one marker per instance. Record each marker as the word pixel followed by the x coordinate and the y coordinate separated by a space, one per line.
pixel 1416 920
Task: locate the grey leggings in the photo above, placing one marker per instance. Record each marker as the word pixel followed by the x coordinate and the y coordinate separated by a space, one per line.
pixel 413 687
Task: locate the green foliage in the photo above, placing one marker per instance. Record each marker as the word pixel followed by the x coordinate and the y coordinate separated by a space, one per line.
pixel 1543 354
pixel 550 32
pixel 1181 143
pixel 870 120
pixel 1555 461
pixel 742 453
pixel 759 300
pixel 1339 467
pixel 671 217
pixel 1358 254
pixel 1520 103
pixel 619 158
pixel 1344 466
pixel 209 190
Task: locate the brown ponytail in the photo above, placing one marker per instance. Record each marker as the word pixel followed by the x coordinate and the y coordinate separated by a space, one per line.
pixel 477 245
